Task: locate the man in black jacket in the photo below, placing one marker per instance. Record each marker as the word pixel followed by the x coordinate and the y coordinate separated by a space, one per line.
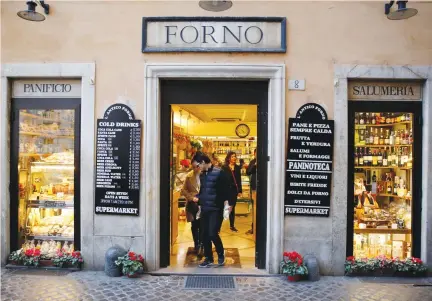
pixel 212 197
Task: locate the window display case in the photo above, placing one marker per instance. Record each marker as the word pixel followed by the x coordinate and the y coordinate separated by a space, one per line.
pixel 383 184
pixel 46 179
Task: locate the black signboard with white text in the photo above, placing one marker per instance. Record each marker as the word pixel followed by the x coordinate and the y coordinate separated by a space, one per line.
pixel 309 162
pixel 118 153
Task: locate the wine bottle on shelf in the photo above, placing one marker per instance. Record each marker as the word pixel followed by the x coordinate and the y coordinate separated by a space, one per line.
pixel 356 118
pixel 387 138
pixel 403 117
pixel 409 163
pixel 392 118
pixel 392 138
pixel 399 155
pixel 360 158
pixel 389 188
pixel 374 177
pixel 356 158
pixel 366 157
pixel 407 117
pixel 397 138
pixel 361 118
pixel 373 118
pixel 380 158
pixel 381 139
pixel 367 121
pixel 384 158
pixel 371 137
pixel 376 138
pixel 374 159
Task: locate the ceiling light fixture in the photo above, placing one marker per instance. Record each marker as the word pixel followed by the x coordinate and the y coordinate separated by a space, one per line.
pixel 31 14
pixel 215 5
pixel 401 13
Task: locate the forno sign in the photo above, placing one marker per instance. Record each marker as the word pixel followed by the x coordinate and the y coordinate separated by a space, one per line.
pixel 214 34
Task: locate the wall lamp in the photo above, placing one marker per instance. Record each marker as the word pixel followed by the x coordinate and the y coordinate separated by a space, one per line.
pixel 215 5
pixel 401 13
pixel 31 14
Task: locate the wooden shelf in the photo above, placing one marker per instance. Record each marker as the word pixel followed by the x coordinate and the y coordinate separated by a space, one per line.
pixel 45 135
pixel 382 231
pixel 24 114
pixel 47 237
pixel 359 126
pixel 382 167
pixel 382 145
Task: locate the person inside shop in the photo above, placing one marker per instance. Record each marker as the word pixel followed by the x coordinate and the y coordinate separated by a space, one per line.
pixel 216 161
pixel 212 198
pixel 234 185
pixel 252 173
pixel 189 190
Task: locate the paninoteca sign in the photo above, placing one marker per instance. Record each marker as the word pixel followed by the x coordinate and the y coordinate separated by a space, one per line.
pixel 214 34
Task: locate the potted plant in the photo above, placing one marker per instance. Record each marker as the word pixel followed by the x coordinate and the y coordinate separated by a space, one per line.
pixel 360 266
pixel 132 264
pixel 61 259
pixel 44 261
pixel 292 266
pixel 76 259
pixel 31 257
pixel 16 257
pixel 385 265
pixel 409 267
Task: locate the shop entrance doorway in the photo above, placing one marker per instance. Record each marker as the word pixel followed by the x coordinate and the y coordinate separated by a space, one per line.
pixel 217 116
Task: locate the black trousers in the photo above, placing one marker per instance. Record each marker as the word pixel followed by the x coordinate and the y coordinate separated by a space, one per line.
pixel 233 202
pixel 196 232
pixel 232 216
pixel 210 225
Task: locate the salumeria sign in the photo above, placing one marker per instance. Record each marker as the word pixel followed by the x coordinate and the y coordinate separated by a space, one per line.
pixel 214 34
pixel 365 90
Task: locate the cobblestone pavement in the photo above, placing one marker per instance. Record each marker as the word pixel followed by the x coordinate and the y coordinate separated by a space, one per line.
pixel 49 286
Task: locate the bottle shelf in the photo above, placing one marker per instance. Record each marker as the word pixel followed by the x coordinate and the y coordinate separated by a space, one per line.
pixel 382 167
pixel 361 126
pixel 382 145
pixel 382 231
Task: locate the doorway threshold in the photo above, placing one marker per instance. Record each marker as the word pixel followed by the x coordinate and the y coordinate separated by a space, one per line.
pixel 223 271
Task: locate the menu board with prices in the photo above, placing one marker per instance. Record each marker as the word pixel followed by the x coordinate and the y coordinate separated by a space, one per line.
pixel 118 161
pixel 309 162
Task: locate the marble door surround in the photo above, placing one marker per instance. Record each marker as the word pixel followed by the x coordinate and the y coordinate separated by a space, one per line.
pixel 275 73
pixel 342 74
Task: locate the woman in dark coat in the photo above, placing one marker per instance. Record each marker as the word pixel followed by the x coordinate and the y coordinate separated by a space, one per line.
pixel 235 188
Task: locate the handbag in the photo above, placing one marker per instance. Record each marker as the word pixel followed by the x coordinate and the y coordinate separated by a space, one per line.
pixel 192 207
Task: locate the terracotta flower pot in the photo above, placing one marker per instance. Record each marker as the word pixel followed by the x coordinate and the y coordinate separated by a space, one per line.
pixel 45 263
pixel 14 262
pixel 294 278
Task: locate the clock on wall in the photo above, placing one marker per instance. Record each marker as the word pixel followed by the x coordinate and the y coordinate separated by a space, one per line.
pixel 242 130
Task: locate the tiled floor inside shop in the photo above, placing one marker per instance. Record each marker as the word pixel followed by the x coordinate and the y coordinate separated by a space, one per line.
pixel 240 240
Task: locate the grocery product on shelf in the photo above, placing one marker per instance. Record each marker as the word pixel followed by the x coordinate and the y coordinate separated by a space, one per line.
pixel 383 162
pixel 46 178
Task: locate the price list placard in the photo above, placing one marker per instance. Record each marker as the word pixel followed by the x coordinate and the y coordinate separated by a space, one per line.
pixel 309 162
pixel 118 161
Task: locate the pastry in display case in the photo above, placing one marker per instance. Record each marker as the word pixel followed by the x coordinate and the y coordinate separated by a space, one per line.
pixel 46 175
pixel 383 163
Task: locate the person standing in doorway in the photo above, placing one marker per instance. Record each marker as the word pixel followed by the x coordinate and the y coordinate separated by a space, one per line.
pixel 212 197
pixel 252 173
pixel 234 185
pixel 190 190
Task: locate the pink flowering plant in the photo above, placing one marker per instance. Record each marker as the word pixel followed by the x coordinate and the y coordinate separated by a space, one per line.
pixel 411 265
pixel 384 264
